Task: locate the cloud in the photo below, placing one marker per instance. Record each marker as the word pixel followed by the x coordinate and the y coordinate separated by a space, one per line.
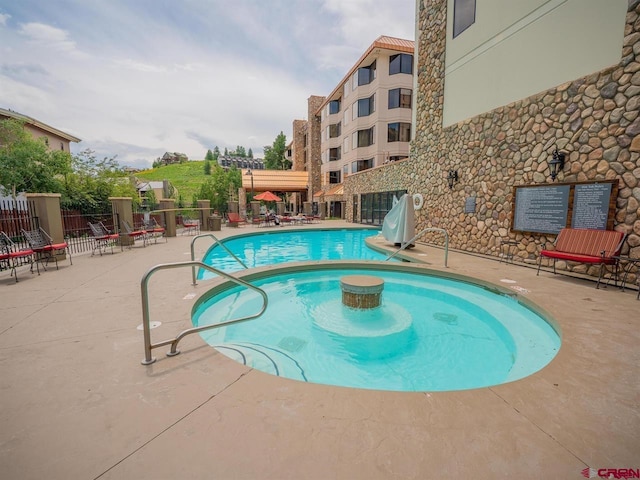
pixel 136 79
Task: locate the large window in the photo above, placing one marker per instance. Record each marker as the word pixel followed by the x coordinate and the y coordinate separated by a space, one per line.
pixel 334 106
pixel 334 130
pixel 361 165
pixel 401 63
pixel 464 15
pixel 334 177
pixel 366 106
pixel 334 154
pixel 400 98
pixel 376 205
pixel 363 138
pixel 366 75
pixel 399 132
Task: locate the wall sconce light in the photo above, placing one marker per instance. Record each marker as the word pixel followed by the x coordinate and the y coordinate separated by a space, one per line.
pixel 556 164
pixel 452 178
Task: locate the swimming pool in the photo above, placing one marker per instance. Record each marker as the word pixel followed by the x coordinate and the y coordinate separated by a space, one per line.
pixel 277 247
pixel 432 332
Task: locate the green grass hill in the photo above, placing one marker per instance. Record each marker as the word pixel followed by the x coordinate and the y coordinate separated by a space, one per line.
pixel 185 177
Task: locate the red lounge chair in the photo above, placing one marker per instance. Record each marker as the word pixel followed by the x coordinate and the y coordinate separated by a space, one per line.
pixel 102 237
pixel 154 230
pixel 235 219
pixel 44 248
pixel 134 234
pixel 190 225
pixel 12 257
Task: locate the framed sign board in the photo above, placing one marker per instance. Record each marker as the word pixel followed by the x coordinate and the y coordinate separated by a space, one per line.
pixel 552 207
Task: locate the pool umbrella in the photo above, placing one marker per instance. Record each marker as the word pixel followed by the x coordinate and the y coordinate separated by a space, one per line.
pixel 267 197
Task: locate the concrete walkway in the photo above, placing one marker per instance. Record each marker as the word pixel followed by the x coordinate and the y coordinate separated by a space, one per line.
pixel 77 403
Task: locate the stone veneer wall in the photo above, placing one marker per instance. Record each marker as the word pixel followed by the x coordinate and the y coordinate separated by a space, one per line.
pixel 594 119
pixel 298 147
pixel 314 141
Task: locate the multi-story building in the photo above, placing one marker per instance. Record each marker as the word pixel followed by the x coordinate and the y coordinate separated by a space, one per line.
pixel 54 139
pixel 365 121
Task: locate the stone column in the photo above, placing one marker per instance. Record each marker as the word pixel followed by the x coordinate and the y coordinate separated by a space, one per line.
pixel 47 210
pixel 122 209
pixel 204 211
pixel 255 209
pixel 169 205
pixel 233 206
pixel 280 208
pixel 306 208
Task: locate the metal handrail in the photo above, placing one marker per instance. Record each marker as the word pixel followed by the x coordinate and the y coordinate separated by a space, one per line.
pixel 148 346
pixel 217 242
pixel 430 229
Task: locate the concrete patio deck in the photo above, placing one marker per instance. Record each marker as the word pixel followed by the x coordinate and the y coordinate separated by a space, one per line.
pixel 77 403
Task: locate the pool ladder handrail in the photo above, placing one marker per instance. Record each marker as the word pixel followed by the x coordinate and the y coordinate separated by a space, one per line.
pixel 429 229
pixel 146 325
pixel 217 242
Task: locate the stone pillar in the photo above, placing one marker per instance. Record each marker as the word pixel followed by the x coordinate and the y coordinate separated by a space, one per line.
pixel 204 211
pixel 322 210
pixel 122 209
pixel 280 208
pixel 255 208
pixel 233 206
pixel 47 209
pixel 307 208
pixel 169 205
pixel 343 209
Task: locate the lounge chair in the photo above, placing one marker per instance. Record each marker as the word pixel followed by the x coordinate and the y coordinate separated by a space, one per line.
pixel 235 220
pixel 44 248
pixel 11 257
pixel 155 230
pixel 134 234
pixel 190 225
pixel 102 237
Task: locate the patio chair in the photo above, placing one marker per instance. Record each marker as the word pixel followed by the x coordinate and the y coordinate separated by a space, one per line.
pixel 102 237
pixel 134 234
pixel 234 219
pixel 190 225
pixel 44 248
pixel 11 257
pixel 155 230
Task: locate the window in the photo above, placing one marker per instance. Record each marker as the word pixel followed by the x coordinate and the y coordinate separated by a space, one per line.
pixel 366 106
pixel 334 130
pixel 464 15
pixel 361 165
pixel 334 154
pixel 62 146
pixel 400 98
pixel 334 106
pixel 363 138
pixel 345 146
pixel 334 177
pixel 366 75
pixel 345 171
pixel 401 63
pixel 399 132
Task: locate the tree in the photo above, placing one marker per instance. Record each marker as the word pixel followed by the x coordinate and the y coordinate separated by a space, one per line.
pixel 250 153
pixel 216 153
pixel 209 155
pixel 274 158
pixel 26 164
pixel 207 166
pixel 226 152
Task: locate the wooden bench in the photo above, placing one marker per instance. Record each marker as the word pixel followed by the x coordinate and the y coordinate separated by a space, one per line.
pixel 585 246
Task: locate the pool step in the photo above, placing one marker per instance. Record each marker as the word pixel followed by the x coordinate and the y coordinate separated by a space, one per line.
pixel 266 359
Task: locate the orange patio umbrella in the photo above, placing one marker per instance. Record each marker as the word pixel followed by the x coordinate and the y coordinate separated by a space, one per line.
pixel 267 197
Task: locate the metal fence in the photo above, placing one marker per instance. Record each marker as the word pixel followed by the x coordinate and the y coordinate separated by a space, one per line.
pixel 17 215
pixel 76 228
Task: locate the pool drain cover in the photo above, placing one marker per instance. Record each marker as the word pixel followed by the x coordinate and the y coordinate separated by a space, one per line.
pixel 292 344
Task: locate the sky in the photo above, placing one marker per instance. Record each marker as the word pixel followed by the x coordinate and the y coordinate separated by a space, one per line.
pixel 137 78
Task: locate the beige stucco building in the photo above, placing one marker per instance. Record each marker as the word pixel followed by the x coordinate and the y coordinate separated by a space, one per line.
pixel 54 139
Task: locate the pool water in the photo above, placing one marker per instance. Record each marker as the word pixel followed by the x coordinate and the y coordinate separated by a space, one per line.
pixel 277 247
pixel 430 333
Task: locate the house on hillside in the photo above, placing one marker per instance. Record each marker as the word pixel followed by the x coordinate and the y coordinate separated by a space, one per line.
pixel 54 139
pixel 170 158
